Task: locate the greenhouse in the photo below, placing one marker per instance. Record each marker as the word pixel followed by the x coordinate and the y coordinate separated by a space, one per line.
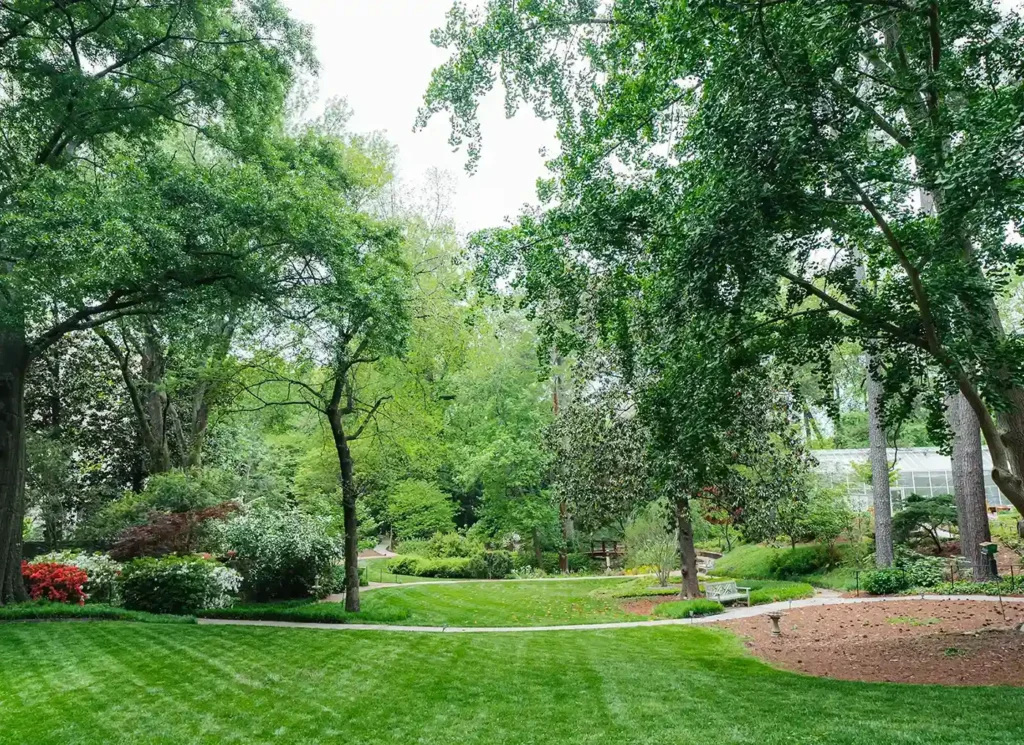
pixel 924 471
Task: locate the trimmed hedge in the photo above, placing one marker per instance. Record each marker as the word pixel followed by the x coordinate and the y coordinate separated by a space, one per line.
pixel 46 611
pixel 489 565
pixel 774 592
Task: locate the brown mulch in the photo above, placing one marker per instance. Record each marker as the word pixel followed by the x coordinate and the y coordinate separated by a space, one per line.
pixel 646 606
pixel 950 642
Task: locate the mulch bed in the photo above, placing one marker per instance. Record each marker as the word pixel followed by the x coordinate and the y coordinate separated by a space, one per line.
pixel 949 642
pixel 644 606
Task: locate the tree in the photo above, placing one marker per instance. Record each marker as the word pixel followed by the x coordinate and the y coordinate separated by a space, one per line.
pixel 799 135
pixel 650 543
pixel 80 77
pixel 924 515
pixel 418 509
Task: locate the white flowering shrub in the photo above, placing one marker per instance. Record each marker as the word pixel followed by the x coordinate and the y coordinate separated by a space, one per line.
pixel 225 583
pixel 103 573
pixel 280 554
pixel 178 584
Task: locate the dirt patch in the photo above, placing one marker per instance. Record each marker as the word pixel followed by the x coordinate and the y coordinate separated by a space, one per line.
pixel 645 606
pixel 951 642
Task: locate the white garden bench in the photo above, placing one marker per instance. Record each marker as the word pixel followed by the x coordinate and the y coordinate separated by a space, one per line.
pixel 724 592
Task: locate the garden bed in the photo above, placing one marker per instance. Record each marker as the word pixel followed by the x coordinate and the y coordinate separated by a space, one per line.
pixel 950 642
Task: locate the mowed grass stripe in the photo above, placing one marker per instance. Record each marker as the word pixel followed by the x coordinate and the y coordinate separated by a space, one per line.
pixel 86 684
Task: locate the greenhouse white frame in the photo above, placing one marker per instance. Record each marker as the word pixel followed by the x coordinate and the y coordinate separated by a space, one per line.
pixel 923 471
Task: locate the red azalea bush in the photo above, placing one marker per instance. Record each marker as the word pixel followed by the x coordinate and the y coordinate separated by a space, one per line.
pixel 58 583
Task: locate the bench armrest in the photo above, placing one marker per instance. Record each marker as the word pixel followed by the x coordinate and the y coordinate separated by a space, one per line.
pixel 748 589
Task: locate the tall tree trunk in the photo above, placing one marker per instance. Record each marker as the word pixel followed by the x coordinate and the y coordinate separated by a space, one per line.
pixel 538 553
pixel 348 506
pixel 689 588
pixel 14 363
pixel 969 486
pixel 879 471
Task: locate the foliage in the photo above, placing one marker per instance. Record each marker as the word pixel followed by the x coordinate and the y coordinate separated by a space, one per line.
pixel 58 583
pixel 910 570
pixel 924 517
pixel 828 516
pixel 170 533
pixel 280 555
pixel 527 572
pixel 799 561
pixel 886 581
pixel 449 545
pixel 480 565
pixel 418 509
pixel 689 608
pixel 649 543
pixel 177 585
pixel 102 572
pixel 172 492
pixel 601 452
pixel 878 207
pixel 48 611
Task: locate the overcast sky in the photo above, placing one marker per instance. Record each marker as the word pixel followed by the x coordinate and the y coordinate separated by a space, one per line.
pixel 378 55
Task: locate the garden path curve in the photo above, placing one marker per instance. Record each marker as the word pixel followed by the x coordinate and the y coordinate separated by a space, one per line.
pixel 757 610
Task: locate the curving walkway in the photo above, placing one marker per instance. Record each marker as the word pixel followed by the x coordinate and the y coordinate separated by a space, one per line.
pixel 730 615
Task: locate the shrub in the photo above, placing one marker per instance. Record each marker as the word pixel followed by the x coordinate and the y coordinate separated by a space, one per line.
pixel 886 582
pixel 798 562
pixel 169 533
pixel 59 583
pixel 527 572
pixel 102 571
pixel 281 555
pixel 418 509
pixel 689 608
pixel 177 585
pixel 486 565
pixel 499 564
pixel 579 563
pixel 452 545
pixel 921 571
pixel 171 492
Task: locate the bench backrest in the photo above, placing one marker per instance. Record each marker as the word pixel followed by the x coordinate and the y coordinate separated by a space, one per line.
pixel 720 589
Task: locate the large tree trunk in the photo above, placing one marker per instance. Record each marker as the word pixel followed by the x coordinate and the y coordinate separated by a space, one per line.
pixel 969 486
pixel 14 363
pixel 689 588
pixel 879 472
pixel 348 505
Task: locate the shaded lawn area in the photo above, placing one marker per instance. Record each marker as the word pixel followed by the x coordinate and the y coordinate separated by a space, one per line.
pixel 119 683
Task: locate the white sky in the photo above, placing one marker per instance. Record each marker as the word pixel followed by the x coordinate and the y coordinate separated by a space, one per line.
pixel 378 55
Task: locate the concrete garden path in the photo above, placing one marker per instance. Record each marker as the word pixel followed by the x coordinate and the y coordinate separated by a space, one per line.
pixel 757 610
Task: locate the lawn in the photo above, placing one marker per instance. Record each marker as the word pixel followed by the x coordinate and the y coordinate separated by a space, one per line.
pixel 527 603
pixel 121 683
pixel 753 561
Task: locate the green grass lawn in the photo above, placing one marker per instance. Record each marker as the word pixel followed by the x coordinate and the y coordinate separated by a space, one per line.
pixel 139 684
pixel 753 561
pixel 500 603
